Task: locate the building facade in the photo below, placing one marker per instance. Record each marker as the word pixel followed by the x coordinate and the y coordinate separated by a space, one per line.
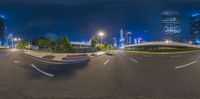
pixel 2 31
pixel 114 42
pixel 171 26
pixel 122 39
pixel 128 38
pixel 195 28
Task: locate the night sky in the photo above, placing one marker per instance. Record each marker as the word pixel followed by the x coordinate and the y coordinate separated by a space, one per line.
pixel 82 19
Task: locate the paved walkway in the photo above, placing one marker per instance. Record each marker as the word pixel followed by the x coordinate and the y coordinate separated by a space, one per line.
pixel 58 56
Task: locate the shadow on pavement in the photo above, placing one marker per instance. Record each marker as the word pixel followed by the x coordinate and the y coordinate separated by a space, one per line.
pixel 59 71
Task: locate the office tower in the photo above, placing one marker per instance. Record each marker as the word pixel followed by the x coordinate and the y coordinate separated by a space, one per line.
pixel 128 38
pixel 2 30
pixel 122 39
pixel 114 42
pixel 195 28
pixel 171 26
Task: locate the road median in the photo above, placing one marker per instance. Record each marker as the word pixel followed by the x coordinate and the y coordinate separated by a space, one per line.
pixel 61 58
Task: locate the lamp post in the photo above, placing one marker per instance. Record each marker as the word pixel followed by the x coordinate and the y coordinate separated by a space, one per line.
pixel 168 41
pixel 101 34
pixel 14 41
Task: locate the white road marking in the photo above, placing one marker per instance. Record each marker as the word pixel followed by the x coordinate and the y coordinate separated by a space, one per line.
pixel 7 54
pixel 16 62
pixel 186 65
pixel 106 62
pixel 176 56
pixel 133 60
pixel 45 73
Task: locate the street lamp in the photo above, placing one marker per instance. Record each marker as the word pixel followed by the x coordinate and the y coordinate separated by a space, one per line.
pixel 101 34
pixel 168 41
pixel 15 41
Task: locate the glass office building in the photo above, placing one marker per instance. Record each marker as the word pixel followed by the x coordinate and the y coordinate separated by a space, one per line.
pixel 195 28
pixel 2 31
pixel 171 26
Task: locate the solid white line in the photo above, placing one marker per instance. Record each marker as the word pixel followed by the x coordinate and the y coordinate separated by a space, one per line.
pixel 133 60
pixel 106 62
pixel 45 73
pixel 186 65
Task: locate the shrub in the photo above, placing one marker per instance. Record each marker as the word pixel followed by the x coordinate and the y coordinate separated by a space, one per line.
pixel 49 57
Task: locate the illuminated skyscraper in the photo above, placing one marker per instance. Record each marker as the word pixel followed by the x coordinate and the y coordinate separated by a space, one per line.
pixel 2 30
pixel 128 38
pixel 114 42
pixel 10 40
pixel 171 26
pixel 195 28
pixel 122 39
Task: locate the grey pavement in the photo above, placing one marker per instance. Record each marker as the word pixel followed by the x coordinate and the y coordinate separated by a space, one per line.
pixel 122 76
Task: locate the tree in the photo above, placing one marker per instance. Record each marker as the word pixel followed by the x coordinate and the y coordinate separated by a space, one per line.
pixel 64 43
pixel 53 45
pixel 42 42
pixel 94 42
pixel 22 44
pixel 105 45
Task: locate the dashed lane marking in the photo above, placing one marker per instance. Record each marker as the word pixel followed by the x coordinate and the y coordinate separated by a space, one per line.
pixel 133 60
pixel 106 62
pixel 186 65
pixel 41 71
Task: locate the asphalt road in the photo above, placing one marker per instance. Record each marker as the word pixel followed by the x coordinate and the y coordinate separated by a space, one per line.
pixel 122 76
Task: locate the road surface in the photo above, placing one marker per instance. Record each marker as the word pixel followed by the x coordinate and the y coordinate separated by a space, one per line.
pixel 122 76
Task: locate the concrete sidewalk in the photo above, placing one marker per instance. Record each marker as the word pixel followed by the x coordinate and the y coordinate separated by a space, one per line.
pixel 58 56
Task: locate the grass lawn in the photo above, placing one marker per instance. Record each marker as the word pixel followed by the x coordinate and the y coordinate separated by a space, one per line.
pixel 167 50
pixel 3 48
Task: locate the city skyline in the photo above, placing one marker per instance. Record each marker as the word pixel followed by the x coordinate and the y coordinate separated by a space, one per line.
pixel 32 21
pixel 132 36
pixel 99 49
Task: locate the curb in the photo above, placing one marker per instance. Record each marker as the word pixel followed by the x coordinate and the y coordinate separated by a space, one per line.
pixel 96 56
pixel 59 62
pixel 164 53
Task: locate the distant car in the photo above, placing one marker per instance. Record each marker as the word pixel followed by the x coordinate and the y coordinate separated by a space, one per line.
pixel 110 53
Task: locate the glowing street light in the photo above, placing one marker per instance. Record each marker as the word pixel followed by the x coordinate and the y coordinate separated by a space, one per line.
pixel 190 42
pixel 15 39
pixel 101 34
pixel 168 41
